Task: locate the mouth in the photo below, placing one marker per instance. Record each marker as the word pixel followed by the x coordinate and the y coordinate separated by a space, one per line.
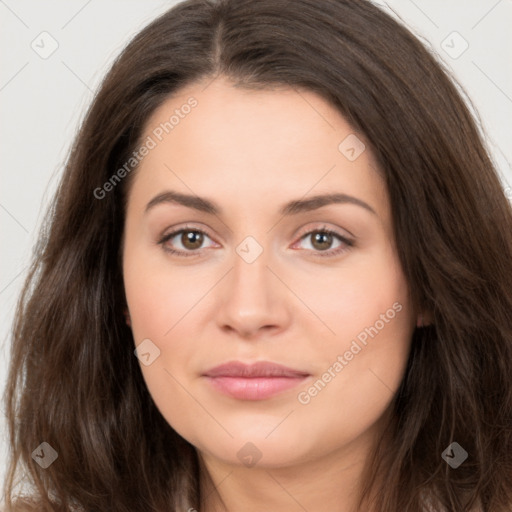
pixel 258 381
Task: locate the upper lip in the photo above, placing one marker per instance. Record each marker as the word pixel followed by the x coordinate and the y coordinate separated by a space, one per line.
pixel 258 369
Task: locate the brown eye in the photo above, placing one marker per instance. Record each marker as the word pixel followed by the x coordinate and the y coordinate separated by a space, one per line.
pixel 184 242
pixel 321 240
pixel 192 239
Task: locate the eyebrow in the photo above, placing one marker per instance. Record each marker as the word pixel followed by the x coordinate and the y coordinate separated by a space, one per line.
pixel 291 208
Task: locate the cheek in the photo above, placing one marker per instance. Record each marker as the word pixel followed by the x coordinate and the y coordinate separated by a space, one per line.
pixel 157 297
pixel 158 303
pixel 370 295
pixel 364 363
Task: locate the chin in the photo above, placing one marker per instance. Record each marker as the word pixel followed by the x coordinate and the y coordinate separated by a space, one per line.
pixel 254 448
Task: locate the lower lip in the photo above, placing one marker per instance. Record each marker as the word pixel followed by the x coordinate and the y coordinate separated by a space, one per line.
pixel 255 388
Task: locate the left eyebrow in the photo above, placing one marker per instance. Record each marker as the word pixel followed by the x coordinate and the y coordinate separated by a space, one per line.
pixel 315 202
pixel 291 208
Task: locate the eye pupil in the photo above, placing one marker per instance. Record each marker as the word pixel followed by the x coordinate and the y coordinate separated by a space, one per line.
pixel 195 238
pixel 323 238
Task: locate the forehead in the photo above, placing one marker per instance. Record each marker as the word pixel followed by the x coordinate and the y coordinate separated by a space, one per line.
pixel 266 123
pixel 248 145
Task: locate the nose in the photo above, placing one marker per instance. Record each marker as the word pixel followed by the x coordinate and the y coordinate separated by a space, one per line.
pixel 252 299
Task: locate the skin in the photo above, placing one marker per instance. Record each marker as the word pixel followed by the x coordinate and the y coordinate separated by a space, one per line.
pixel 250 152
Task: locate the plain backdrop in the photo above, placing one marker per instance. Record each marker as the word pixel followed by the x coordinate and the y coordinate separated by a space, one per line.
pixel 43 97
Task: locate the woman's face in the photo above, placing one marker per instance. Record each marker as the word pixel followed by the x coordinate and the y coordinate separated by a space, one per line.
pixel 257 279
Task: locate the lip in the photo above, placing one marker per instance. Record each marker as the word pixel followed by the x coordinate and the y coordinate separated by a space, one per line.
pixel 257 381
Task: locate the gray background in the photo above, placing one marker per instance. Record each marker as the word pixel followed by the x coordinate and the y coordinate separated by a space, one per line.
pixel 42 100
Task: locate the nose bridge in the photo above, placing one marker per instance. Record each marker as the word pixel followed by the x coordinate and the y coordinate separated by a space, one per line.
pixel 250 276
pixel 250 296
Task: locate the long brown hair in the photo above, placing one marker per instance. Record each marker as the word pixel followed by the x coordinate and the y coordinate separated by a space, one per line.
pixel 74 381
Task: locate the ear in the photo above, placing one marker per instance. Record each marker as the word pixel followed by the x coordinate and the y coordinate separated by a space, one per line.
pixel 424 319
pixel 127 318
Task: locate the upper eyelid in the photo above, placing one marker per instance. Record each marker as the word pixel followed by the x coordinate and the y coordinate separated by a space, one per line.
pixel 324 227
pixel 172 233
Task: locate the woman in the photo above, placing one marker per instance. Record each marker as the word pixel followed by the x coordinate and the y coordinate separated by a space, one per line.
pixel 336 336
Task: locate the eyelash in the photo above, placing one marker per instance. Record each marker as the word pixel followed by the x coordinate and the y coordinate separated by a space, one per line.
pixel 322 254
